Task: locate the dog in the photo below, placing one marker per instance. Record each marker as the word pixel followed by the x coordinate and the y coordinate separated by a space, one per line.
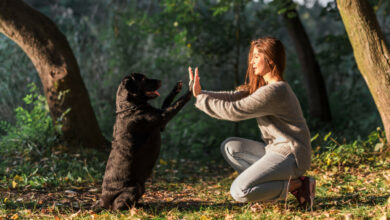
pixel 136 139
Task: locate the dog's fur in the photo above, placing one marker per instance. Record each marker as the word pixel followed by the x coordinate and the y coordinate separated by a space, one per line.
pixel 136 139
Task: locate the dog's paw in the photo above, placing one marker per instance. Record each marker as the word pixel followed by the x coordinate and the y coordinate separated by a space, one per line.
pixel 179 86
pixel 96 207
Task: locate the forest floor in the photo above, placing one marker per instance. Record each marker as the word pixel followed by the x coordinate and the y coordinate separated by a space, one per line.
pixel 188 189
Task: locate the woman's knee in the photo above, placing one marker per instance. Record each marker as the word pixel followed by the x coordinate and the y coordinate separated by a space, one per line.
pixel 227 144
pixel 239 192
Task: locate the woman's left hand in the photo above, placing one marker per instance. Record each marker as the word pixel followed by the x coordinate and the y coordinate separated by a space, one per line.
pixel 196 89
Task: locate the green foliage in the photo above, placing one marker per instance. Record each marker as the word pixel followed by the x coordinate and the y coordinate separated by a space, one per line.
pixel 284 6
pixel 330 153
pixel 33 127
pixel 31 152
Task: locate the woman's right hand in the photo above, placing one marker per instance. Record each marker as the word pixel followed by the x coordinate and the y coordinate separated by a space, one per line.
pixel 194 83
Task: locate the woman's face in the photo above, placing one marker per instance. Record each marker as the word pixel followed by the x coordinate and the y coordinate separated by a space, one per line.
pixel 260 66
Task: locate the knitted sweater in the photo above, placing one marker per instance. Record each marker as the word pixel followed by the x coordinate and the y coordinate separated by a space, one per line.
pixel 278 114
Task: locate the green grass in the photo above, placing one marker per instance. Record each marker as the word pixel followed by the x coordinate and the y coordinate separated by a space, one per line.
pixel 188 189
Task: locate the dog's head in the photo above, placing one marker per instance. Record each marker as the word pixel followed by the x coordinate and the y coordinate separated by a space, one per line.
pixel 137 88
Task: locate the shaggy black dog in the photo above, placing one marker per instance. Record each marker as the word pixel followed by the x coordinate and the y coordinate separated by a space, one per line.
pixel 136 139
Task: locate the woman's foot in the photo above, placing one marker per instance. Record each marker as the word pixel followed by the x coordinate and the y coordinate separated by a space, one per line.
pixel 306 193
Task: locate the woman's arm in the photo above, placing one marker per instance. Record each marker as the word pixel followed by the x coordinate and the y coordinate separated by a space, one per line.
pixel 264 101
pixel 229 96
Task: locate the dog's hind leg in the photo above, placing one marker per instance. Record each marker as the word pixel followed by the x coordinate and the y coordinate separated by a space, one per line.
pixel 129 197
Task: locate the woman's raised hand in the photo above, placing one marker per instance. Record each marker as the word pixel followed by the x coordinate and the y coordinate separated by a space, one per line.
pixel 194 83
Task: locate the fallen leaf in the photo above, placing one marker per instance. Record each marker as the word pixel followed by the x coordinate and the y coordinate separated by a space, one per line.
pixel 203 217
pixel 93 190
pixel 18 178
pixel 229 217
pixel 348 216
pixel 77 187
pixel 14 184
pixel 75 214
pixel 15 216
pixel 56 218
pixel 70 193
pixel 94 216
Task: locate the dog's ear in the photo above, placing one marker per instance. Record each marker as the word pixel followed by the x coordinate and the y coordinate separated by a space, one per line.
pixel 132 76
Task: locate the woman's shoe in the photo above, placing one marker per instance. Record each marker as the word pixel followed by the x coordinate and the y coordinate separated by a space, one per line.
pixel 305 195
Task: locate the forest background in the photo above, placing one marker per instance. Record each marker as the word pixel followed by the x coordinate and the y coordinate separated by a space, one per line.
pixel 112 38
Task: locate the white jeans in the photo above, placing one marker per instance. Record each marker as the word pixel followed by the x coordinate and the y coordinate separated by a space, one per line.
pixel 263 175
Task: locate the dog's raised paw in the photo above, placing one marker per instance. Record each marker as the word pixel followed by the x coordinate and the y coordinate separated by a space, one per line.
pixel 179 86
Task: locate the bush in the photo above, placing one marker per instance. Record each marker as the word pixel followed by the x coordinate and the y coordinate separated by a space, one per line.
pixel 359 152
pixel 33 127
pixel 31 151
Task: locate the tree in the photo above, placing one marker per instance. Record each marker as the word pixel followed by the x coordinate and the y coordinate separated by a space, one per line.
pixel 58 70
pixel 314 82
pixel 370 52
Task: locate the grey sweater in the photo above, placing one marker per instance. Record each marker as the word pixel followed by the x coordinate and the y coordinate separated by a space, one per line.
pixel 278 114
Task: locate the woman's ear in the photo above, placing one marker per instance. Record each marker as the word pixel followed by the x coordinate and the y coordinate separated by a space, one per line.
pixel 270 63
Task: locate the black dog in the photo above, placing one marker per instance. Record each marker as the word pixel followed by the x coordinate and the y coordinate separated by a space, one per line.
pixel 136 139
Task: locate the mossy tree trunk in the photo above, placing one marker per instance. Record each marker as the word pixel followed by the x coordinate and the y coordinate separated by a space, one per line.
pixel 59 72
pixel 370 51
pixel 314 82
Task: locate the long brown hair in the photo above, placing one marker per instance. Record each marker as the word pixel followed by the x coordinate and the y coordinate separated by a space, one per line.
pixel 274 54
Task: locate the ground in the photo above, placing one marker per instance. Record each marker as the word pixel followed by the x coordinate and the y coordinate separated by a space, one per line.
pixel 188 189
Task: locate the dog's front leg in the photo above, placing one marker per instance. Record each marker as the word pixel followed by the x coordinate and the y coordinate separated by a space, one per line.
pixel 173 109
pixel 168 100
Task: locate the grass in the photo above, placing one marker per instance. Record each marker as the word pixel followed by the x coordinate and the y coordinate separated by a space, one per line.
pixel 186 189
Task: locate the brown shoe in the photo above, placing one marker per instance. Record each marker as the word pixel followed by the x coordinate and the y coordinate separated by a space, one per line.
pixel 305 195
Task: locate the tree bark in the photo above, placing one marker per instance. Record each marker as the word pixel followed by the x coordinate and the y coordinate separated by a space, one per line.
pixel 371 53
pixel 58 70
pixel 314 82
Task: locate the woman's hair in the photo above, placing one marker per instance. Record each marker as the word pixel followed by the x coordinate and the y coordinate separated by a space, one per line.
pixel 275 56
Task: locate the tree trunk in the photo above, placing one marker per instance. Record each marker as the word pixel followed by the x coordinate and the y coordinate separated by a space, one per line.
pixel 53 58
pixel 314 82
pixel 370 51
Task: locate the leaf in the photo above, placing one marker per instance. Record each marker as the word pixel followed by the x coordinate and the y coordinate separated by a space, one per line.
pixel 229 216
pixel 291 15
pixel 18 178
pixel 282 11
pixel 15 216
pixel 315 137
pixel 327 136
pixel 328 161
pixel 163 162
pixel 378 147
pixel 77 187
pixel 203 217
pixel 14 184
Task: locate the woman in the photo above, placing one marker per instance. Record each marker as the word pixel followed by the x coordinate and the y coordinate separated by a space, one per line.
pixel 267 171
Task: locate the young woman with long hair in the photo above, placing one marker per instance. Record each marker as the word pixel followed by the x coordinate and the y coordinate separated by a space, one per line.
pixel 268 170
